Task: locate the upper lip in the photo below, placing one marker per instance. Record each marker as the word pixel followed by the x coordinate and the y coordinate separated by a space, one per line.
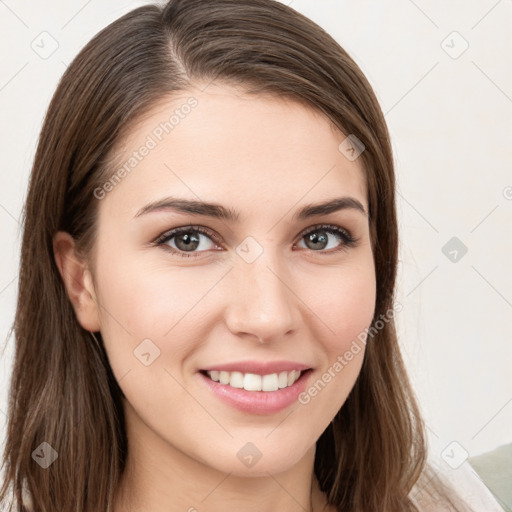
pixel 258 368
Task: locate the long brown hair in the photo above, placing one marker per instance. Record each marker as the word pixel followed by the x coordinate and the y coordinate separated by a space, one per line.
pixel 63 391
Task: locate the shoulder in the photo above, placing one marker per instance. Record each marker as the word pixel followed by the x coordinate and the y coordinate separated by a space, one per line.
pixel 441 489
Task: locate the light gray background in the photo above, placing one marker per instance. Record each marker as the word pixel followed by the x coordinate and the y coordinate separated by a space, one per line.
pixel 449 111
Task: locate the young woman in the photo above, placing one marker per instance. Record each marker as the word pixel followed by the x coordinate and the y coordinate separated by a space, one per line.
pixel 206 293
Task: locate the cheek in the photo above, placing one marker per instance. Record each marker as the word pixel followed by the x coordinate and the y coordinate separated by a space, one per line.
pixel 344 312
pixel 344 306
pixel 141 300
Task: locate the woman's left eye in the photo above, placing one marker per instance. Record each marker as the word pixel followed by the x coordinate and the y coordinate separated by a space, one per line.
pixel 193 239
pixel 317 238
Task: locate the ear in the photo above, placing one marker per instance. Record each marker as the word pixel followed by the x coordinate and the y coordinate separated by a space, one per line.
pixel 77 280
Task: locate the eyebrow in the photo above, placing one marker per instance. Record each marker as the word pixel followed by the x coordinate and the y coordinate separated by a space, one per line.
pixel 217 211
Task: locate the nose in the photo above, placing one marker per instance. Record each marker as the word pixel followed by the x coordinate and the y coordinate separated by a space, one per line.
pixel 262 304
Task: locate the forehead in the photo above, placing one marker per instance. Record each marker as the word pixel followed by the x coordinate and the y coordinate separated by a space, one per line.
pixel 221 144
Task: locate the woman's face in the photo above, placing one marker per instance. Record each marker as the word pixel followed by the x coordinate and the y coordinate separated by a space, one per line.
pixel 258 285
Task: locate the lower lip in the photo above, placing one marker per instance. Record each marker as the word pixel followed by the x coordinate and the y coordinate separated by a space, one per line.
pixel 258 402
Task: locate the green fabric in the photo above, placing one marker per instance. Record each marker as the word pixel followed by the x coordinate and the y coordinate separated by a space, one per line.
pixel 495 470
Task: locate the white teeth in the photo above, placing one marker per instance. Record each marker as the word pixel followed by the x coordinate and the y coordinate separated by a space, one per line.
pixel 254 382
pixel 270 382
pixel 236 380
pixel 283 380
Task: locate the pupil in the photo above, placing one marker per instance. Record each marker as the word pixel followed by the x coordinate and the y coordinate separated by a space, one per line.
pixel 318 239
pixel 190 241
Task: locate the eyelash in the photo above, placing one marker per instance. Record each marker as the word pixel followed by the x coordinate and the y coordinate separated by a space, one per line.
pixel 348 240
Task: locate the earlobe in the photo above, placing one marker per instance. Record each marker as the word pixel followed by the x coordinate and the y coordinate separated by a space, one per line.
pixel 77 280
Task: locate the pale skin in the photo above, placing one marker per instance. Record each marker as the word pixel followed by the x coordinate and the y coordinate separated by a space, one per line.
pixel 265 158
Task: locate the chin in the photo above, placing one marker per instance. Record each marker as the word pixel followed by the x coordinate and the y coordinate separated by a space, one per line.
pixel 258 459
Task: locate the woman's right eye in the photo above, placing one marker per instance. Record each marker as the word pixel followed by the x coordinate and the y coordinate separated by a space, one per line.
pixel 186 240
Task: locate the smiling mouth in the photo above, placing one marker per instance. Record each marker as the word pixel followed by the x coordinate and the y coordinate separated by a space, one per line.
pixel 254 382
